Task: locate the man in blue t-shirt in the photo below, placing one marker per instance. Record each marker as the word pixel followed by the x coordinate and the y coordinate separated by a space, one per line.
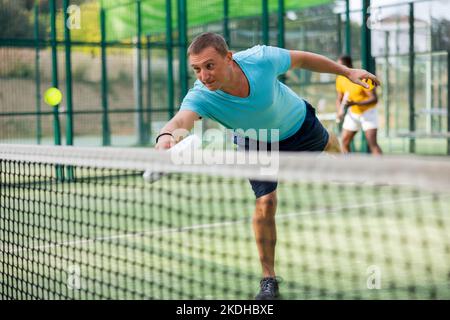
pixel 242 91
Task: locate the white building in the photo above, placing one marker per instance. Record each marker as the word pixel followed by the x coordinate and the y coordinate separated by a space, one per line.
pixel 395 30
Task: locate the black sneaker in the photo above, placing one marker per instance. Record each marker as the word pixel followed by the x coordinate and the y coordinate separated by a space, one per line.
pixel 269 289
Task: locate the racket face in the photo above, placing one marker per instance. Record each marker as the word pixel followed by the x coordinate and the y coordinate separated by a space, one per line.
pixel 151 176
pixel 190 142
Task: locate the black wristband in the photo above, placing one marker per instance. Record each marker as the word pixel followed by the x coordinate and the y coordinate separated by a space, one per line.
pixel 163 134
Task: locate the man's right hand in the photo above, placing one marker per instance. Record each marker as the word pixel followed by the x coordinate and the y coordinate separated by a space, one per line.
pixel 165 142
pixel 178 126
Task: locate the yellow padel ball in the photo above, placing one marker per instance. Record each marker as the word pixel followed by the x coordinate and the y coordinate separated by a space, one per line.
pixel 52 96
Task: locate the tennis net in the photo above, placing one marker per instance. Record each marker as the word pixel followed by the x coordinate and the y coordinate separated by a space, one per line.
pixel 82 223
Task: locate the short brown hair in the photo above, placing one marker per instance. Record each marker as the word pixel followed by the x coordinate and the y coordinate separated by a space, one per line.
pixel 346 60
pixel 206 40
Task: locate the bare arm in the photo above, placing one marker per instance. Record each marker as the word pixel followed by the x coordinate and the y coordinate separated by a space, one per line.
pixel 178 127
pixel 318 63
pixel 339 98
pixel 371 100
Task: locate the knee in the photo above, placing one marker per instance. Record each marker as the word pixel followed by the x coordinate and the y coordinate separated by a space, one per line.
pixel 266 206
pixel 267 201
pixel 346 140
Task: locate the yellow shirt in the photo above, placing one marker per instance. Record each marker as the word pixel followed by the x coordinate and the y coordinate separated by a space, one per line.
pixel 356 93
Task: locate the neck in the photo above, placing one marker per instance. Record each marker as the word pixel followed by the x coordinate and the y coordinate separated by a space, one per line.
pixel 238 85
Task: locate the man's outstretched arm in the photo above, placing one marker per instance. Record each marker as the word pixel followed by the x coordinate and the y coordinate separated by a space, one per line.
pixel 176 128
pixel 318 63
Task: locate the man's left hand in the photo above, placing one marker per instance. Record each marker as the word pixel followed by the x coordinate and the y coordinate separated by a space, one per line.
pixel 357 75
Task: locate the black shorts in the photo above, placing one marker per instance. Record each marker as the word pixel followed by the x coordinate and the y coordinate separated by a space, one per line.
pixel 311 136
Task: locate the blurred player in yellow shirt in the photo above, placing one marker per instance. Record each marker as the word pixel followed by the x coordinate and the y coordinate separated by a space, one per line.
pixel 361 110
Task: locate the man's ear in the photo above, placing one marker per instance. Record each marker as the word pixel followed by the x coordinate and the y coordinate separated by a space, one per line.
pixel 230 56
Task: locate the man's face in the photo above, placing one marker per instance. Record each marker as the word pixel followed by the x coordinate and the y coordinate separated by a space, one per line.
pixel 211 68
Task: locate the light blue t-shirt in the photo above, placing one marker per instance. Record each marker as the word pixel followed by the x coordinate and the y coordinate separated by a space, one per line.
pixel 270 104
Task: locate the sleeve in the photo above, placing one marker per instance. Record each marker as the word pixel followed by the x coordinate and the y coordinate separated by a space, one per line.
pixel 280 58
pixel 193 102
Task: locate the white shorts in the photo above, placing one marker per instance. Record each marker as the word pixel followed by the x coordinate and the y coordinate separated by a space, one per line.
pixel 367 120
